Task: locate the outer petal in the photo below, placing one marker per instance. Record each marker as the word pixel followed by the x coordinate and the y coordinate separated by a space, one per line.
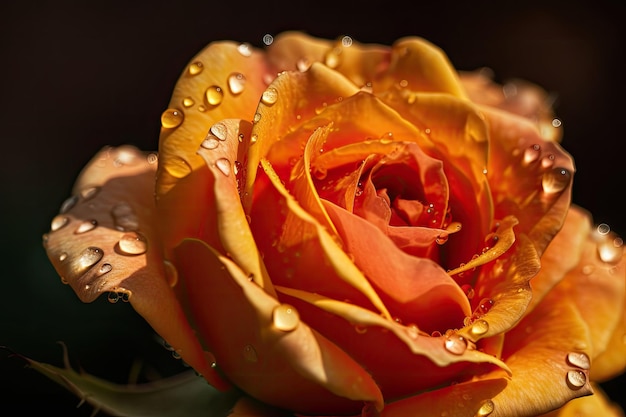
pixel 268 353
pixel 590 406
pixel 105 240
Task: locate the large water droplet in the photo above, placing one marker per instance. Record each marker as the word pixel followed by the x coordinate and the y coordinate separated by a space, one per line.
pixel 219 130
pixel 531 154
pixel 579 360
pixel 133 244
pixel 172 118
pixel 479 327
pixel 609 252
pixel 105 268
pixel 196 68
pixel 455 344
pixel 285 317
pixel 68 204
pixel 171 273
pixel 87 258
pixel 236 82
pixel 249 353
pixel 556 180
pixel 486 409
pixel 214 95
pixel 210 142
pixel 223 165
pixel 58 222
pixel 89 192
pixel 245 49
pixel 269 96
pixel 576 379
pixel 124 217
pixel 86 226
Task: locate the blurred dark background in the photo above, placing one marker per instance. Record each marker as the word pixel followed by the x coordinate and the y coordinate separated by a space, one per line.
pixel 77 76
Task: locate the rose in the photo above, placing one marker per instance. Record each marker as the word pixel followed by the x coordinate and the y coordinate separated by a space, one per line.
pixel 341 228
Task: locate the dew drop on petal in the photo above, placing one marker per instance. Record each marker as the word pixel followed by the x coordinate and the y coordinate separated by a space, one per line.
pixel 269 96
pixel 219 130
pixel 556 180
pixel 105 268
pixel 89 192
pixel 152 158
pixel 250 354
pixel 113 297
pixel 210 358
pixel 245 49
pixel 609 252
pixel 171 118
pixel 86 226
pixel 214 95
pixel 531 154
pixel 547 161
pixel 58 222
pixel 479 327
pixel 188 102
pixel 486 409
pixel 223 165
pixel 236 82
pixel 331 59
pixel 196 68
pixel 579 360
pixel 285 317
pixel 346 41
pixel 268 39
pixel 133 244
pixel 87 258
pixel 171 273
pixel 576 379
pixel 63 256
pixel 303 64
pixel 210 142
pixel 253 138
pixel 455 344
pixel 68 204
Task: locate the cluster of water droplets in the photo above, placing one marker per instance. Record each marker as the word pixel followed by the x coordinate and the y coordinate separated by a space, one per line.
pixel 576 377
pixel 554 179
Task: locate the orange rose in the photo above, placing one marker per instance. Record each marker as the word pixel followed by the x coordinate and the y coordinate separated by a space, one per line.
pixel 340 228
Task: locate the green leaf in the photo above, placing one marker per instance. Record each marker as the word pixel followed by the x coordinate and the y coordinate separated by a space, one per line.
pixel 185 394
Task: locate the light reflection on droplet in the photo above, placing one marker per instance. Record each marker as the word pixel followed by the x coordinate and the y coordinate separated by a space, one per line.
pixel 576 379
pixel 285 317
pixel 579 360
pixel 555 180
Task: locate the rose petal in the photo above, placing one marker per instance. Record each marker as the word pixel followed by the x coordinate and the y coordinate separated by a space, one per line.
pixel 591 406
pixel 106 240
pixel 294 367
pixel 417 290
pixel 529 177
pixel 360 63
pixel 298 97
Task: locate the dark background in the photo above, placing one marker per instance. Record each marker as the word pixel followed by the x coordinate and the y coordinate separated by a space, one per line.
pixel 75 77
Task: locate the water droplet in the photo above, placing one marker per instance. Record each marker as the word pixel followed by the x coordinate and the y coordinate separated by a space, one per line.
pixel 285 317
pixel 124 217
pixel 268 39
pixel 468 290
pixel 556 180
pixel 579 360
pixel 483 306
pixel 210 142
pixel 531 154
pixel 87 258
pixel 210 358
pixel 455 344
pixel 486 409
pixel 113 297
pixel 89 192
pixel 237 167
pixel 86 226
pixel 303 64
pixel 256 118
pixel 223 165
pixel 331 59
pixel 479 327
pixel 171 273
pixel 346 41
pixel 214 95
pixel 249 353
pixel 63 256
pixel 253 138
pixel 188 102
pixel 245 49
pixel 576 379
pixel 269 96
pixel 556 122
pixel 442 238
pixel 133 244
pixel 219 130
pixel 547 161
pixel 360 329
pixel 171 118
pixel 236 82
pixel 58 222
pixel 105 268
pixel 196 68
pixel 603 229
pixel 152 158
pixel 68 204
pixel 609 252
